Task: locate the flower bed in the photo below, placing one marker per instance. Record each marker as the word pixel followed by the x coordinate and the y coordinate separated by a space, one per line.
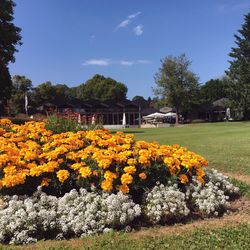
pixel 93 181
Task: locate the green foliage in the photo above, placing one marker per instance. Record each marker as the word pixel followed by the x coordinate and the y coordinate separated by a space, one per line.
pixel 60 124
pixel 9 38
pixel 47 92
pixel 21 87
pixel 101 88
pixel 68 122
pixel 231 238
pixel 43 93
pixel 239 70
pixel 176 83
pixel 140 101
pixel 244 188
pixel 9 33
pixel 6 85
pixel 214 89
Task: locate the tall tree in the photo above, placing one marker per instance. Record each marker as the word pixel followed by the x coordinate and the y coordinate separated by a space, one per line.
pixel 9 38
pixel 214 89
pixel 176 83
pixel 45 92
pixel 239 70
pixel 101 88
pixel 21 87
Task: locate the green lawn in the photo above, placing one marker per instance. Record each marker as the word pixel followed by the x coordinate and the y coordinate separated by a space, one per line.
pixel 225 145
pixel 224 238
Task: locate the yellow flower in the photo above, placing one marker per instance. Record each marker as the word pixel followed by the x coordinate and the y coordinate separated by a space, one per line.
pixel 110 176
pixel 124 188
pixel 45 182
pixel 200 172
pixel 131 161
pixel 130 169
pixel 62 175
pixel 36 171
pixel 106 185
pixel 95 173
pixel 201 180
pixel 183 179
pixel 126 179
pixel 143 176
pixel 77 166
pixel 104 163
pixel 5 122
pixel 85 172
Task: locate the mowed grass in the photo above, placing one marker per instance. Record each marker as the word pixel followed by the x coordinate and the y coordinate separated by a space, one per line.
pixel 221 238
pixel 225 145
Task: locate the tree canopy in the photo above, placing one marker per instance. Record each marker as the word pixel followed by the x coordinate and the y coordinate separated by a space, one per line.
pixel 214 89
pixel 9 38
pixel 21 87
pixel 47 92
pixel 176 83
pixel 101 88
pixel 239 70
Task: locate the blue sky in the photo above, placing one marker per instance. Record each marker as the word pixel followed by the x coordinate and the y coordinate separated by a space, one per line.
pixel 69 41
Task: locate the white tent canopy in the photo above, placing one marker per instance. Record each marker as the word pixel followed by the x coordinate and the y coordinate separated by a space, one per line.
pixel 155 115
pixel 159 115
pixel 170 114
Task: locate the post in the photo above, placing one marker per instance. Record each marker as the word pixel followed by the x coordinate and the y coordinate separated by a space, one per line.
pixel 139 115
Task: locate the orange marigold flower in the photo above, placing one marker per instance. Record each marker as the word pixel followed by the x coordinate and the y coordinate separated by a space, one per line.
pixel 106 185
pixel 45 182
pixel 77 166
pixel 62 175
pixel 200 172
pixel 124 188
pixel 95 173
pixel 143 176
pixel 36 171
pixel 130 169
pixel 85 172
pixel 183 179
pixel 104 163
pixel 131 161
pixel 201 180
pixel 110 176
pixel 126 179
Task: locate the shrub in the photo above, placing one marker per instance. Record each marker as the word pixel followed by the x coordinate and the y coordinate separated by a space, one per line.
pixel 61 124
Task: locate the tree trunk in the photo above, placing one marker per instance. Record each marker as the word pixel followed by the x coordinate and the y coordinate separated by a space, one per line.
pixel 177 117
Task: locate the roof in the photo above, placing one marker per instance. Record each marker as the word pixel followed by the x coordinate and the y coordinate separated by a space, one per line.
pixel 221 102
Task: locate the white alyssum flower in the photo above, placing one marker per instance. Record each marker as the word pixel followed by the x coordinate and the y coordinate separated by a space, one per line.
pixel 27 219
pixel 165 202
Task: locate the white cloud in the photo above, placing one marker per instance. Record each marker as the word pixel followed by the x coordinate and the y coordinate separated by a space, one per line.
pixel 128 20
pixel 127 63
pixel 144 61
pixel 138 30
pixel 123 24
pixel 97 62
pixel 108 62
pixel 134 15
